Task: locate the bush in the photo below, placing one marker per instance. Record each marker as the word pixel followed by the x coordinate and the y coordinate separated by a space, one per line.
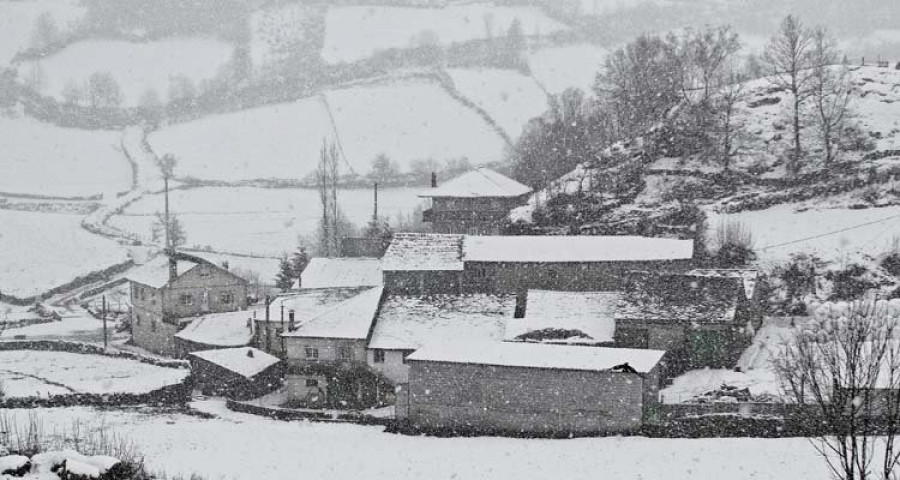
pixel 850 284
pixel 891 264
pixel 734 242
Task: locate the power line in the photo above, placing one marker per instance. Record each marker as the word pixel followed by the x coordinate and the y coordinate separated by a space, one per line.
pixel 801 240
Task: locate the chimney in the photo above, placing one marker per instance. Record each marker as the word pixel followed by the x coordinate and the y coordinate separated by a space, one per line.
pixel 249 353
pixel 173 268
pixel 433 180
pixel 291 325
pixel 521 303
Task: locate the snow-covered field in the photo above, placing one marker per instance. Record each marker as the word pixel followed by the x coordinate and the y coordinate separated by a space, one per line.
pixel 257 220
pixel 39 251
pixel 38 373
pixel 408 121
pixel 219 448
pixel 571 66
pixel 275 29
pixel 43 159
pixel 782 224
pixel 18 17
pixel 355 32
pixel 510 98
pixel 136 66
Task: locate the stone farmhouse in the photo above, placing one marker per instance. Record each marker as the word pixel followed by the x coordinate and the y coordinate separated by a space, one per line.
pixel 475 203
pixel 171 291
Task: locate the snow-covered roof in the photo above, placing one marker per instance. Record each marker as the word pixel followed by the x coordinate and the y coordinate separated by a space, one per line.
pixel 342 272
pixel 228 329
pixel 409 322
pixel 310 303
pixel 747 276
pixel 534 355
pixel 591 313
pixel 649 307
pixel 245 361
pixel 351 318
pixel 424 251
pixel 155 273
pixel 481 182
pixel 584 248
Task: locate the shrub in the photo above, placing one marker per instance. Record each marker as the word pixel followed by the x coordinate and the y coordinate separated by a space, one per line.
pixel 734 242
pixel 850 283
pixel 891 264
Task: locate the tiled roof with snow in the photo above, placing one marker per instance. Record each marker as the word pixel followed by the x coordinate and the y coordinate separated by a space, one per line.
pixel 155 273
pixel 747 276
pixel 310 303
pixel 534 355
pixel 409 322
pixel 245 361
pixel 591 313
pixel 342 272
pixel 350 319
pixel 423 251
pixel 583 248
pixel 481 182
pixel 648 307
pixel 228 329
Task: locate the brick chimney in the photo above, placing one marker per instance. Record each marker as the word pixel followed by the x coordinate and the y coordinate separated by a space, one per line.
pixel 291 323
pixel 173 268
pixel 433 180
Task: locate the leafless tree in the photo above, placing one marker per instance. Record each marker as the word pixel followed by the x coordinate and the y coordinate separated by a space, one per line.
pixel 72 93
pixel 788 56
pixel 845 365
pixel 725 107
pixel 330 226
pixel 830 93
pixel 103 91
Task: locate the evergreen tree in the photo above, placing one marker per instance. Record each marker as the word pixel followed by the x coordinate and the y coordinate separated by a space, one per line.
pixel 299 262
pixel 284 280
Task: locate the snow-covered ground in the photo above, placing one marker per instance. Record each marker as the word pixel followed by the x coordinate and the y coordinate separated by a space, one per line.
pixel 257 220
pixel 510 98
pixel 571 66
pixel 39 251
pixel 43 159
pixel 18 17
pixel 355 32
pixel 274 30
pixel 219 448
pixel 782 224
pixel 38 373
pixel 409 120
pixel 136 66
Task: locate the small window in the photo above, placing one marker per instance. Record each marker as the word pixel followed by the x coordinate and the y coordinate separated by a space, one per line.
pixel 312 382
pixel 204 271
pixel 378 356
pixel 345 352
pixel 228 298
pixel 312 353
pixel 186 299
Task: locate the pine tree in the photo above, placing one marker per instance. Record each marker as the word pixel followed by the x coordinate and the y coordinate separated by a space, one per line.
pixel 299 261
pixel 283 279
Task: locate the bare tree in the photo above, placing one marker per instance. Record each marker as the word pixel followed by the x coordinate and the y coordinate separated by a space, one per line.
pixel 845 365
pixel 45 32
pixel 726 109
pixel 103 91
pixel 72 93
pixel 830 93
pixel 788 58
pixel 330 226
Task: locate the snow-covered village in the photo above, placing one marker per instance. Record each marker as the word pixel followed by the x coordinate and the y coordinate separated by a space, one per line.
pixel 449 239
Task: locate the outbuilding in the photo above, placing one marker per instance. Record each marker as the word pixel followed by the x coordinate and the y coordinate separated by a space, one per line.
pixel 238 373
pixel 530 388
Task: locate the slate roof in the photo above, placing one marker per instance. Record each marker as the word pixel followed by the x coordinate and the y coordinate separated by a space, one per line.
pixel 591 313
pixel 350 319
pixel 748 277
pixel 424 252
pixel 409 322
pixel 155 273
pixel 644 306
pixel 582 248
pixel 479 183
pixel 238 360
pixel 342 272
pixel 534 355
pixel 309 303
pixel 229 329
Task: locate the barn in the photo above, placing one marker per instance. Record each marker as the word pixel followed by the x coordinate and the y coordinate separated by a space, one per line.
pixel 531 388
pixel 238 373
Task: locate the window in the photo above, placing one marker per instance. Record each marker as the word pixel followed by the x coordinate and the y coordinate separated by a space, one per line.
pixel 227 297
pixel 186 299
pixel 345 352
pixel 312 353
pixel 204 271
pixel 312 382
pixel 378 356
pixel 473 231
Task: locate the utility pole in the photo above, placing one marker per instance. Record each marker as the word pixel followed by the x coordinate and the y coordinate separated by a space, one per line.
pixel 375 214
pixel 105 334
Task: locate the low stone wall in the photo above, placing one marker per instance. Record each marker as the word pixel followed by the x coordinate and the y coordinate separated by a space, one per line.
pixel 312 415
pixel 91 349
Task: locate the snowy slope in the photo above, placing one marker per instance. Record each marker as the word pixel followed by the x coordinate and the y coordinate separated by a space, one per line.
pixel 137 67
pixel 510 98
pixel 18 17
pixel 570 66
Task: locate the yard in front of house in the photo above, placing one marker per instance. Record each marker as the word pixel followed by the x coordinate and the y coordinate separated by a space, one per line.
pixel 246 447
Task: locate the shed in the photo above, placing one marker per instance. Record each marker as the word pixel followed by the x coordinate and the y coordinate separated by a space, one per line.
pixel 216 330
pixel 529 388
pixel 239 373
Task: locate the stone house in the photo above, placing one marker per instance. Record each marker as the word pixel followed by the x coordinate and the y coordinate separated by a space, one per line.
pixel 239 373
pixel 168 292
pixel 475 203
pixel 530 389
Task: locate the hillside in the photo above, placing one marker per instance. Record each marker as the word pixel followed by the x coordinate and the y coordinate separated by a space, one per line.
pixel 856 193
